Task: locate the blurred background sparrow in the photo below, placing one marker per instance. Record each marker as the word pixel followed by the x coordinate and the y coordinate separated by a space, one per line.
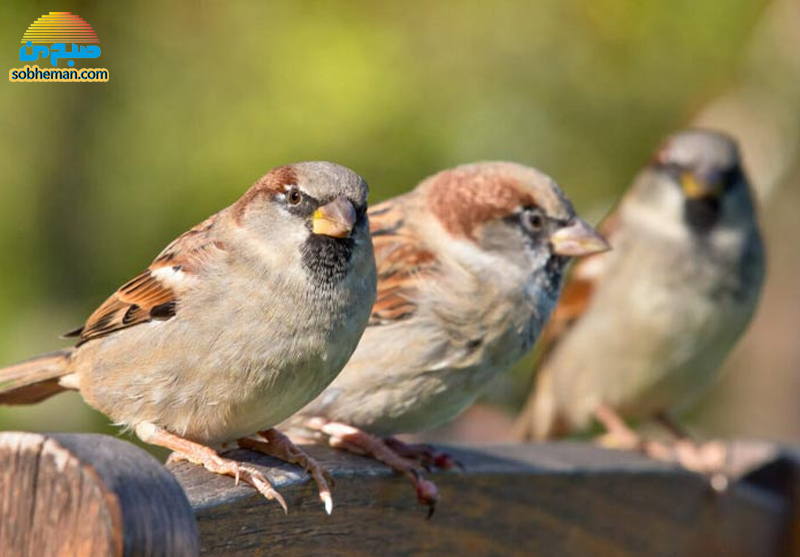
pixel 642 331
pixel 237 324
pixel 470 266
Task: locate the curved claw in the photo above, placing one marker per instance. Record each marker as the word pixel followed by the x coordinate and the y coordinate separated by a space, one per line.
pixel 257 480
pixel 431 510
pixel 427 492
pixel 719 482
pixel 327 501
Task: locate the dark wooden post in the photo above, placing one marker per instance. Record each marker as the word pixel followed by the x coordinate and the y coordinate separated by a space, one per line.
pixel 89 495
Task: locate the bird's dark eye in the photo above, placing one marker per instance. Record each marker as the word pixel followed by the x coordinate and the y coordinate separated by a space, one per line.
pixel 732 176
pixel 533 220
pixel 671 168
pixel 293 196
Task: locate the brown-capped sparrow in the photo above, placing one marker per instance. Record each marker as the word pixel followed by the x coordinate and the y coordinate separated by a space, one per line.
pixel 236 325
pixel 640 332
pixel 469 267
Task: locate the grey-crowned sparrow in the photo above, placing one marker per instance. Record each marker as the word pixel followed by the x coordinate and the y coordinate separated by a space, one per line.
pixel 641 331
pixel 236 325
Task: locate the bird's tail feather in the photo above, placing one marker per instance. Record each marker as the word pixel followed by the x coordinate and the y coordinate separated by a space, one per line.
pixel 35 379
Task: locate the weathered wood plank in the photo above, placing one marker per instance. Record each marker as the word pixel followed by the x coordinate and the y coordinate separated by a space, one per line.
pixel 95 495
pixel 564 499
pixel 780 473
pixel 76 495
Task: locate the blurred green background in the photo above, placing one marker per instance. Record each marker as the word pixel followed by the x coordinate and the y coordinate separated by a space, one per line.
pixel 203 98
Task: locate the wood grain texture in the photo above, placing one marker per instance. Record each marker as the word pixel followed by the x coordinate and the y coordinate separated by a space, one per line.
pixel 523 500
pixel 781 474
pixel 76 495
pixel 95 495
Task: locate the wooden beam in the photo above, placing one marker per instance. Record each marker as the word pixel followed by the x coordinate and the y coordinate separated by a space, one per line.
pixel 558 499
pixel 96 495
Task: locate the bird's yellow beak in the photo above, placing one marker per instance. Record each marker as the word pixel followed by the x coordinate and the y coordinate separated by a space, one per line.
pixel 694 188
pixel 336 219
pixel 577 239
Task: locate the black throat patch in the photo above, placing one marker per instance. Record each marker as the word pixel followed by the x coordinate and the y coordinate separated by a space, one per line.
pixel 702 214
pixel 327 259
pixel 555 273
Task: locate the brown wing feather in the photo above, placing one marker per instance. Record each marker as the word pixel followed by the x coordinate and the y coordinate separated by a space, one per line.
pixel 146 297
pixel 401 261
pixel 577 292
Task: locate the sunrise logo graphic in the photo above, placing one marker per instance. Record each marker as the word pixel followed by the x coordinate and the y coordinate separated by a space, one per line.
pixel 60 27
pixel 67 35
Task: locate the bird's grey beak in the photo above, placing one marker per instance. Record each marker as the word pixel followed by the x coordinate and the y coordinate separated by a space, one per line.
pixel 576 239
pixel 336 219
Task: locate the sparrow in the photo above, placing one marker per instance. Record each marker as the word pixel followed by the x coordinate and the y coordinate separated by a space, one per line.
pixel 235 326
pixel 470 266
pixel 640 332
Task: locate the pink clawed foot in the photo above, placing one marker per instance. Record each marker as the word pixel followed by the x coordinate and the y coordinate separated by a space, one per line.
pixel 426 455
pixel 276 444
pixel 351 439
pixel 208 459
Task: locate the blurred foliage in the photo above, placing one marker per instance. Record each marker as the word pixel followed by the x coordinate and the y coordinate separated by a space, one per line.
pixel 205 97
